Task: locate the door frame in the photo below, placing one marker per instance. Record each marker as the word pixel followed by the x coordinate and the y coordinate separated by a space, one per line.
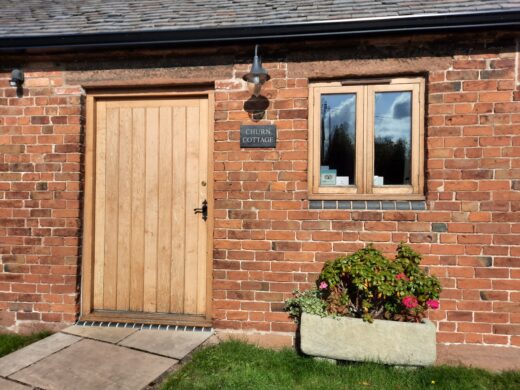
pixel 86 303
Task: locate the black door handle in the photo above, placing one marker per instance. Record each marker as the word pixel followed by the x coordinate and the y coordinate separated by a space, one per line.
pixel 203 210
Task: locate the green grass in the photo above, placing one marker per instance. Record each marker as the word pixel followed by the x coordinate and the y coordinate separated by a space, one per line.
pixel 11 342
pixel 236 365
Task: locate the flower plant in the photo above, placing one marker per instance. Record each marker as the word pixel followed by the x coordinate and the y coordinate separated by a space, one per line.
pixel 368 285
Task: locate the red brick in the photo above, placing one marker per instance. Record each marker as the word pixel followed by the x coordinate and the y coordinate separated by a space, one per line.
pixel 267 240
pixel 469 64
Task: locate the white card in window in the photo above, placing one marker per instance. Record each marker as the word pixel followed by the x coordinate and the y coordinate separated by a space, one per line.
pixel 378 180
pixel 328 177
pixel 342 181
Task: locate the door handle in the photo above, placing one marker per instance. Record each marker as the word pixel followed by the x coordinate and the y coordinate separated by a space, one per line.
pixel 202 210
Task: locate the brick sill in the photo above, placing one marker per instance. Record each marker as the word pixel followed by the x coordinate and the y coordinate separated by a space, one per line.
pixel 416 205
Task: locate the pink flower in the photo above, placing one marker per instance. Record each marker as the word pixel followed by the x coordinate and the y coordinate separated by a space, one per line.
pixel 401 276
pixel 433 303
pixel 410 302
pixel 323 285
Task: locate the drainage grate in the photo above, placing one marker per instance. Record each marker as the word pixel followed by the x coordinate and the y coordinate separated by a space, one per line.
pixel 145 326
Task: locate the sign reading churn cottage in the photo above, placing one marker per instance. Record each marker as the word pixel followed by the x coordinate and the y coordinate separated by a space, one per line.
pixel 257 136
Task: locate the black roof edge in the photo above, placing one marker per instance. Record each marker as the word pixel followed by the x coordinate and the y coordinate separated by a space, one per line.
pixel 429 23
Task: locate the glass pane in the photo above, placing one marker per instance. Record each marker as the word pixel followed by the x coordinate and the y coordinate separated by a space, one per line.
pixel 338 139
pixel 393 134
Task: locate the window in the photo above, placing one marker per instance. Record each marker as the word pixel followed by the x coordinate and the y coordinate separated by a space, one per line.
pixel 367 140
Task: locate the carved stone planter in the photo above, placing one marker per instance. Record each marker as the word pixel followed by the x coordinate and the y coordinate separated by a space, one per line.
pixel 388 342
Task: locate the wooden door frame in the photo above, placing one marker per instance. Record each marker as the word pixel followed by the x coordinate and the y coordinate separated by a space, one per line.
pixel 87 280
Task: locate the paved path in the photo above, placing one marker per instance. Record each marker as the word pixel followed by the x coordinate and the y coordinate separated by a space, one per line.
pixel 84 357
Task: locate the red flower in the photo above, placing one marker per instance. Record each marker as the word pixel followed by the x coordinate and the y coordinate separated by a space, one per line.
pixel 433 303
pixel 402 276
pixel 410 302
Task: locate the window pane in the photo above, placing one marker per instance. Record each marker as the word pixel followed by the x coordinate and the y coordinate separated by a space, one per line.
pixel 392 133
pixel 338 139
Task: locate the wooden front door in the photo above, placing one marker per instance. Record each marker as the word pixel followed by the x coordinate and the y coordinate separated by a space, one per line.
pixel 149 173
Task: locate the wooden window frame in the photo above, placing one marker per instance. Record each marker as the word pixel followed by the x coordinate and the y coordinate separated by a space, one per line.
pixel 365 103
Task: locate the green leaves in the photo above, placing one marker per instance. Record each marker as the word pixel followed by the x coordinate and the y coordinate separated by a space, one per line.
pixel 310 301
pixel 368 285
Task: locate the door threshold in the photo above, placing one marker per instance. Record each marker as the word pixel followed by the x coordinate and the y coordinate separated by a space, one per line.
pixel 133 325
pixel 183 320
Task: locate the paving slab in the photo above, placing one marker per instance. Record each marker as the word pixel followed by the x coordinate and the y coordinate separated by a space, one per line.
pixel 32 353
pixel 175 344
pixel 93 365
pixel 481 356
pixel 10 385
pixel 101 333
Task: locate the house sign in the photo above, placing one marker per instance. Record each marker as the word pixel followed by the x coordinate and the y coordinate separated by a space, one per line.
pixel 257 136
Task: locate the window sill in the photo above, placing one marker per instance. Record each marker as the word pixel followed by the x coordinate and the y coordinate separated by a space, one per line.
pixel 354 197
pixel 415 205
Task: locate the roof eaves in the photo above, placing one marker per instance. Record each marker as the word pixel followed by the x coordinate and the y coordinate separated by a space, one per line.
pixel 426 23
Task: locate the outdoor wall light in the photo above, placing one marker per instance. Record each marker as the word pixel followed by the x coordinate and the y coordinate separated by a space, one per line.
pixel 257 75
pixel 17 78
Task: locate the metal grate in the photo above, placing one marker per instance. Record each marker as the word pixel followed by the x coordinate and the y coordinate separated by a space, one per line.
pixel 145 326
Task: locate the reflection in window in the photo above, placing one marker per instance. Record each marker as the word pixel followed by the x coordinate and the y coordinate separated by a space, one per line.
pixel 338 139
pixel 392 136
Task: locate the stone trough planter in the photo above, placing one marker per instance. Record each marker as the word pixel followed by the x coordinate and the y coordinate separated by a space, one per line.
pixel 388 342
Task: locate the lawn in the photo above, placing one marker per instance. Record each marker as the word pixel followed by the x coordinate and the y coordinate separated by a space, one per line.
pixel 236 365
pixel 11 342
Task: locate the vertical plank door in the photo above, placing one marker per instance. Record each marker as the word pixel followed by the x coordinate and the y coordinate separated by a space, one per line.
pixel 150 173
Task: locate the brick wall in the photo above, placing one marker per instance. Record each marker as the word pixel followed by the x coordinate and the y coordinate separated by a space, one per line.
pixel 269 238
pixel 40 186
pixel 474 188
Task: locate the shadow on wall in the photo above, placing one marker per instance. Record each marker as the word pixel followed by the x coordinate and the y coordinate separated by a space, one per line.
pixel 256 106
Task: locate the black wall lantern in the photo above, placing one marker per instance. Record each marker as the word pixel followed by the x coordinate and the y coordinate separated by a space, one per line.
pixel 257 75
pixel 17 78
